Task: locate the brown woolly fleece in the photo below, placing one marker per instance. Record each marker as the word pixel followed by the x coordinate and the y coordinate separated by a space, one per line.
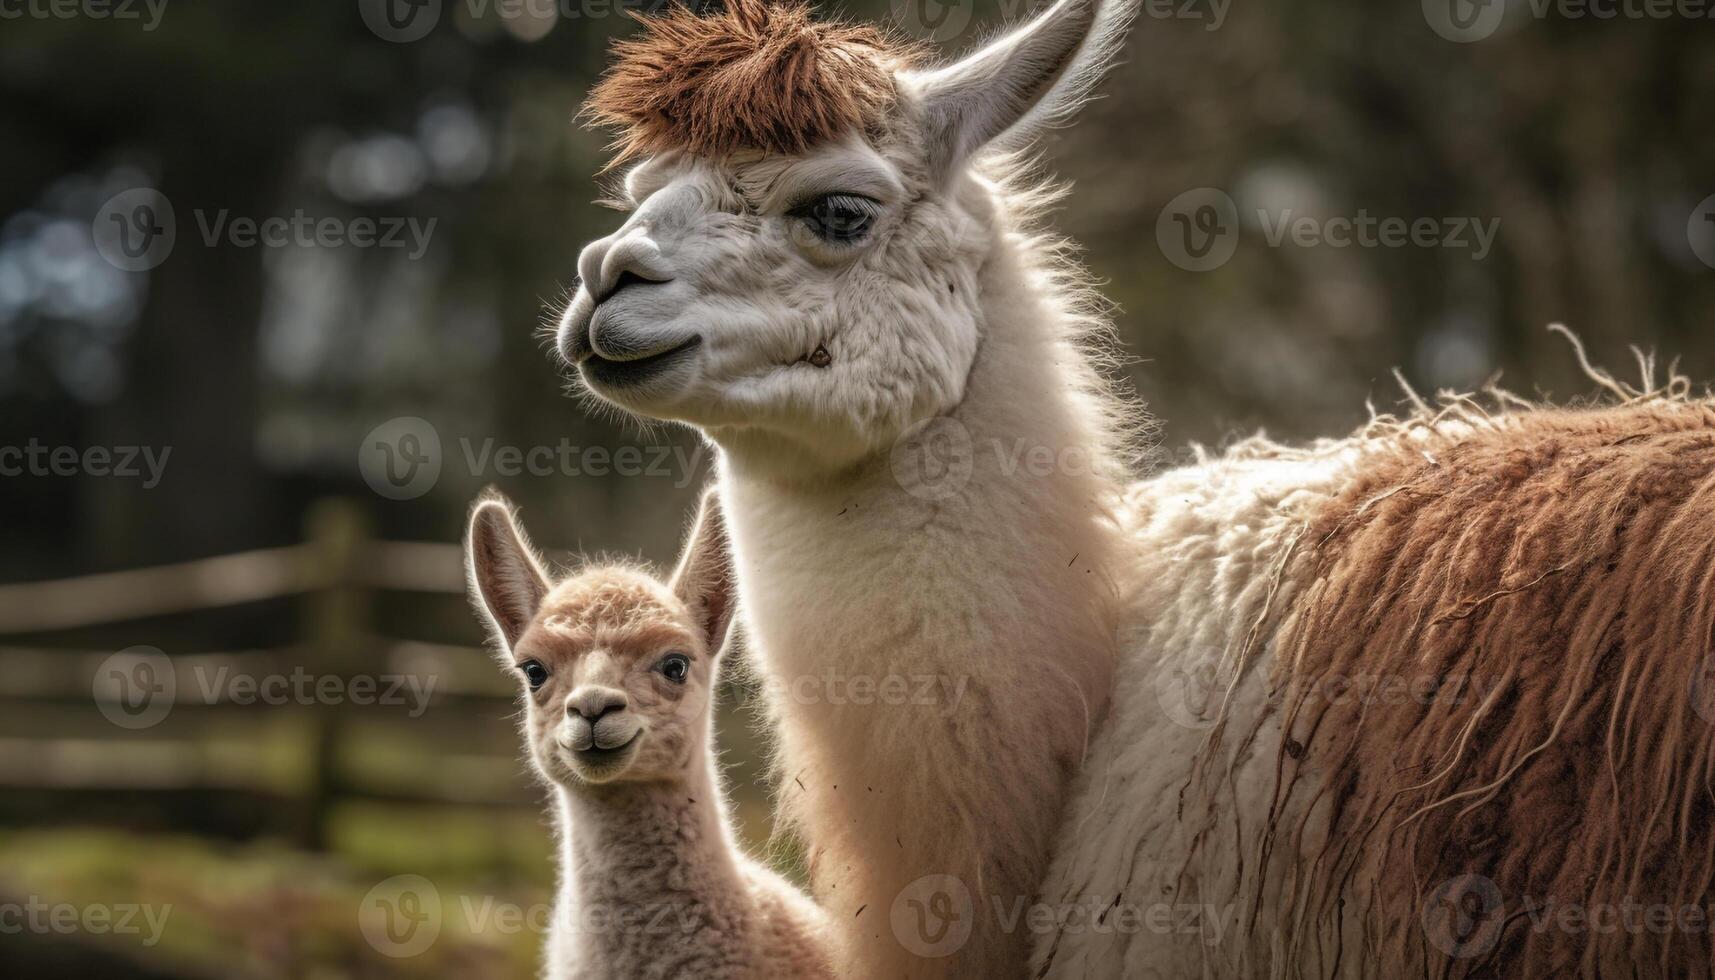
pixel 1540 588
pixel 762 75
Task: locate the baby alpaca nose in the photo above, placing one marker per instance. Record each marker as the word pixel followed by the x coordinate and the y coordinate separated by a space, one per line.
pixel 591 703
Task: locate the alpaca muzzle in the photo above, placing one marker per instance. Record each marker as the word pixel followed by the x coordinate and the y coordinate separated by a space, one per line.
pixel 597 721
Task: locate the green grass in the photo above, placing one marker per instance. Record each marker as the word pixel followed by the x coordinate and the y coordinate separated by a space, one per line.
pixel 263 910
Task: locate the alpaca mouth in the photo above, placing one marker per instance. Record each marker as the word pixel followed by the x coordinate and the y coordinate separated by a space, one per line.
pixel 597 757
pixel 598 370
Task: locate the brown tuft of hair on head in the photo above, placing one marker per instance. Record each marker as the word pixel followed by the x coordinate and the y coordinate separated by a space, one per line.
pixel 761 74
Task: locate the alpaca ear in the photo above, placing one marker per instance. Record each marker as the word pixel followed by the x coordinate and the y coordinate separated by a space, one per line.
pixel 1024 81
pixel 704 580
pixel 505 575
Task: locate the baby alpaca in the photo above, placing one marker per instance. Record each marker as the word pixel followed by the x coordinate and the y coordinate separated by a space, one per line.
pixel 618 671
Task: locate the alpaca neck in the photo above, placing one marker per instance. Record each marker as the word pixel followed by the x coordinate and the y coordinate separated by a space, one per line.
pixel 642 850
pixel 984 600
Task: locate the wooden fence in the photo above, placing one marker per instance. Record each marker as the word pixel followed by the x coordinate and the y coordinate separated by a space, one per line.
pixel 330 689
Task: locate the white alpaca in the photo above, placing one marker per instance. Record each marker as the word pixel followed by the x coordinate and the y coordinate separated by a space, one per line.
pixel 918 460
pixel 618 670
pixel 924 478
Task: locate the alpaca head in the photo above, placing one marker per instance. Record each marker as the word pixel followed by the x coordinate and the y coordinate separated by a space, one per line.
pixel 617 667
pixel 800 266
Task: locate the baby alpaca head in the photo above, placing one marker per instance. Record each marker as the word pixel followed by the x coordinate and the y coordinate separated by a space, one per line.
pixel 617 667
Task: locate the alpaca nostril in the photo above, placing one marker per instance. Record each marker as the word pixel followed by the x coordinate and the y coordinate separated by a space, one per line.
pixel 628 278
pixel 592 706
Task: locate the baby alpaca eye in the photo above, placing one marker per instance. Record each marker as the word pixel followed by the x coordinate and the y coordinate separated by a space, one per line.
pixel 838 219
pixel 675 667
pixel 534 672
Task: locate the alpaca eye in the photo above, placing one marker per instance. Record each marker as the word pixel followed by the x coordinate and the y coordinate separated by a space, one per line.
pixel 535 673
pixel 838 219
pixel 675 667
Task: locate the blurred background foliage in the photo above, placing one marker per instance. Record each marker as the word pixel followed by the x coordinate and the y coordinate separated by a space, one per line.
pixel 1588 140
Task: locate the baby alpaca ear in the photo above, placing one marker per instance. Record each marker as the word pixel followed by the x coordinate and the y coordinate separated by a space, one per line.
pixel 1025 80
pixel 505 575
pixel 704 580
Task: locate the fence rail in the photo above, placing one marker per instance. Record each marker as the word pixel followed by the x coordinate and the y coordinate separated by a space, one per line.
pixel 60 739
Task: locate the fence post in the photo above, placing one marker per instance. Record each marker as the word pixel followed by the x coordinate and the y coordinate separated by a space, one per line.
pixel 336 628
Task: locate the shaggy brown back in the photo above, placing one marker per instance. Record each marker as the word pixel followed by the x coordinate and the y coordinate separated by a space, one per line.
pixel 1504 666
pixel 762 74
pixel 1499 695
